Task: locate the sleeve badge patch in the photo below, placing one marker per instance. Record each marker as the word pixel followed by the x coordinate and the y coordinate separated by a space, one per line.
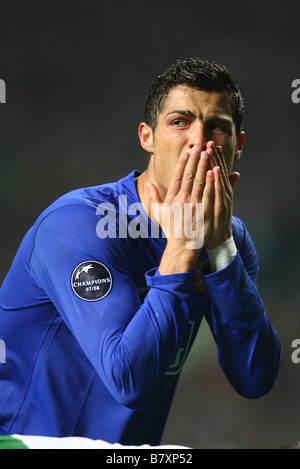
pixel 91 281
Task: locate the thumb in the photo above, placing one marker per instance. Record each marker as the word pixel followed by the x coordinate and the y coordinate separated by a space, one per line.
pixel 155 204
pixel 153 194
pixel 233 179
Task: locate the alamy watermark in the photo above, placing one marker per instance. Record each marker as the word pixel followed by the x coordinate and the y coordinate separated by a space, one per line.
pixel 296 93
pixel 296 353
pixel 2 92
pixel 2 351
pixel 181 221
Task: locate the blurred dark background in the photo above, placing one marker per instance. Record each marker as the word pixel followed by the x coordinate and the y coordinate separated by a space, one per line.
pixel 77 73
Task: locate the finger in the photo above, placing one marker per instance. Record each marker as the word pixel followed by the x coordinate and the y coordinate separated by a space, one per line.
pixel 190 171
pixel 221 163
pixel 200 177
pixel 177 176
pixel 221 159
pixel 214 157
pixel 217 158
pixel 218 200
pixel 208 193
pixel 219 191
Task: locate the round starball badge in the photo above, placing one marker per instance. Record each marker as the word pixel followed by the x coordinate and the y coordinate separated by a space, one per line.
pixel 91 281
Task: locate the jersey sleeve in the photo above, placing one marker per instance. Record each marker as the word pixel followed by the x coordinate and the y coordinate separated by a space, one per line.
pixel 130 344
pixel 248 346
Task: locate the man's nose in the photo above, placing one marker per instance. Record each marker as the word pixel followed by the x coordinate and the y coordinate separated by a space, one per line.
pixel 198 138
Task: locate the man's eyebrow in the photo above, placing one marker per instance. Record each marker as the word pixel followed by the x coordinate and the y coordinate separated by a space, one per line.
pixel 219 119
pixel 181 111
pixel 210 119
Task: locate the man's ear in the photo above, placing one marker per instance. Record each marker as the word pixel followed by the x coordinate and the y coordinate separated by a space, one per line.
pixel 240 144
pixel 146 137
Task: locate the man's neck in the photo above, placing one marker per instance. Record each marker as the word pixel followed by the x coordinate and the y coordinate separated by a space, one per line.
pixel 142 190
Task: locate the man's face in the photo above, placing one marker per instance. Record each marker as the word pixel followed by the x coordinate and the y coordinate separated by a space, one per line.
pixel 189 117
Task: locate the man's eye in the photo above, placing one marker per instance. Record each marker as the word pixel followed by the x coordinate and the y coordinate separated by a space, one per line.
pixel 180 123
pixel 218 128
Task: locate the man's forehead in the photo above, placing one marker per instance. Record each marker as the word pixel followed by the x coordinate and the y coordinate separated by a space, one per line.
pixel 192 99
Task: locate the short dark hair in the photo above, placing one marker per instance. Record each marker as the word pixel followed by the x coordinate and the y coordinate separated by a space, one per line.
pixel 203 75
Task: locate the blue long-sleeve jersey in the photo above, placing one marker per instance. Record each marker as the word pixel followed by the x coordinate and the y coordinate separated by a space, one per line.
pixel 96 338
